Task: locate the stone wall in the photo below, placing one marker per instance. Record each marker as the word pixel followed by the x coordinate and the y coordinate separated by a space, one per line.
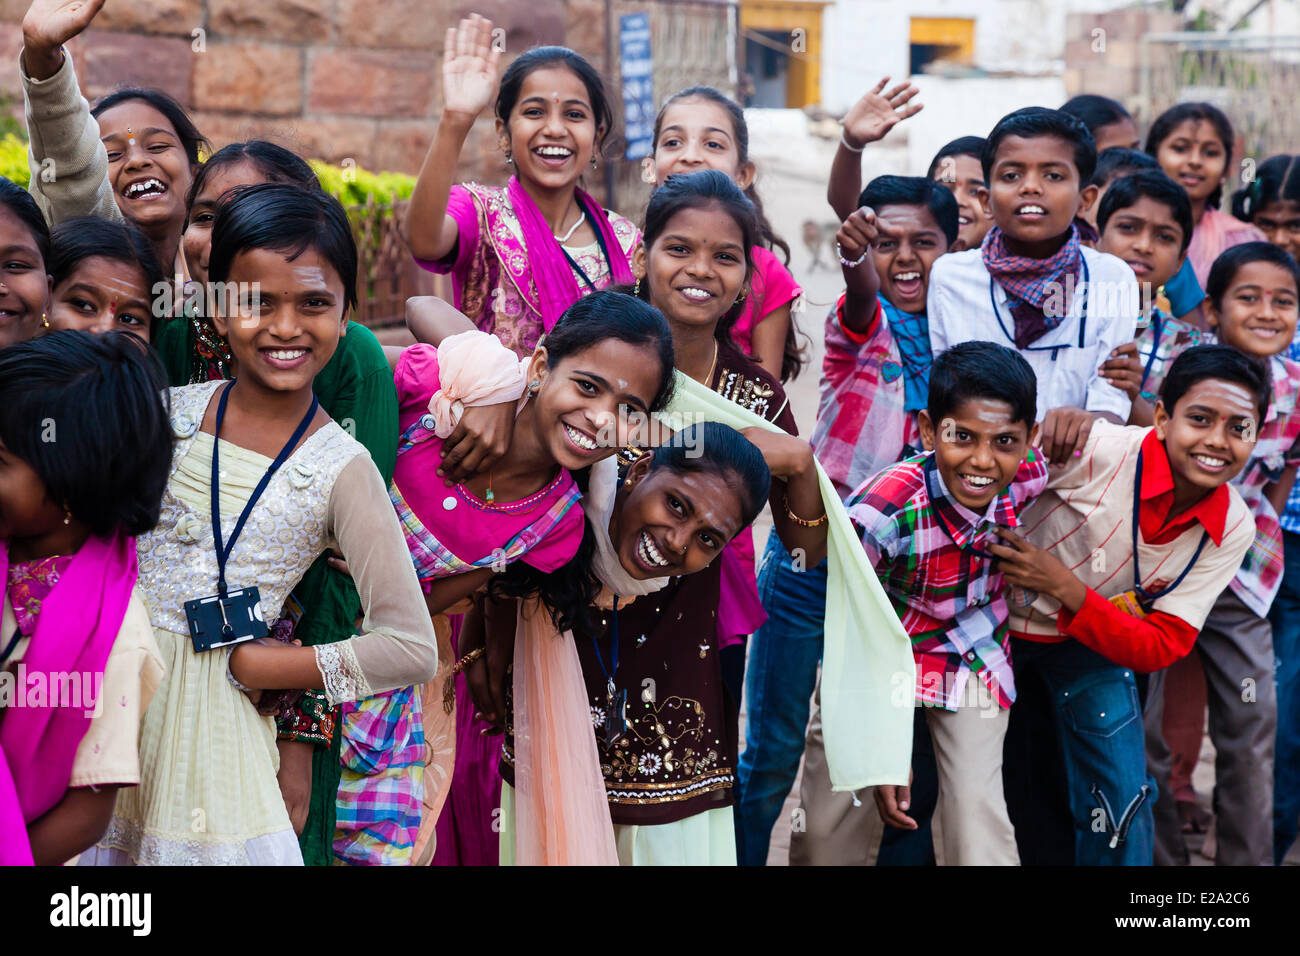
pixel 333 79
pixel 1103 53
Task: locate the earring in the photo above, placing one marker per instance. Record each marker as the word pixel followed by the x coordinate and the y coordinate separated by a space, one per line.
pixel 627 482
pixel 510 160
pixel 533 386
pixel 741 298
pixel 45 321
pixel 593 162
pixel 636 289
pixel 67 516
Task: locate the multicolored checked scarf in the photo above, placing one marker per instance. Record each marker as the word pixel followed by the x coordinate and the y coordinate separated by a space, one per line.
pixel 1030 282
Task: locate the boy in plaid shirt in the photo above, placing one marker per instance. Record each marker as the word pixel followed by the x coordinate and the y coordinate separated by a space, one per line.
pixel 925 524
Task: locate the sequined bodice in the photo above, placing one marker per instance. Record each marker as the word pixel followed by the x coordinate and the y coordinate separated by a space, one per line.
pixel 287 530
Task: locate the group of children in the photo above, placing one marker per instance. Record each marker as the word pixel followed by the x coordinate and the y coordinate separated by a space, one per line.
pixel 494 597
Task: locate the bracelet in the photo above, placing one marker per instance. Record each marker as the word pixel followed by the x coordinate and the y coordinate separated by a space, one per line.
pixel 449 684
pixel 847 145
pixel 848 264
pixel 803 522
pixel 231 677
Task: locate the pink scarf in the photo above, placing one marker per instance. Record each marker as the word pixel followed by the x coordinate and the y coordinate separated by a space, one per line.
pixel 557 288
pixel 79 622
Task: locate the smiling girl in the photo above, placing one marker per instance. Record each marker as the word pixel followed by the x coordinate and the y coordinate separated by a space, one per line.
pixel 700 128
pixel 262 483
pixel 104 274
pixel 522 254
pixel 1193 144
pixel 24 250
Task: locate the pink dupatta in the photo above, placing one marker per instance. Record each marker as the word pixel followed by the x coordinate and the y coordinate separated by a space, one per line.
pixel 557 288
pixel 78 625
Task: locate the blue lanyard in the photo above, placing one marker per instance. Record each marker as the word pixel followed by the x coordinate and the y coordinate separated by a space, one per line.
pixel 1142 592
pixel 223 552
pixel 613 652
pixel 1157 327
pixel 595 227
pixel 9 648
pixel 1083 315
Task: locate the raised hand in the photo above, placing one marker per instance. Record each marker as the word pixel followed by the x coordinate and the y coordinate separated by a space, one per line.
pixel 879 111
pixel 51 23
pixel 858 233
pixel 469 67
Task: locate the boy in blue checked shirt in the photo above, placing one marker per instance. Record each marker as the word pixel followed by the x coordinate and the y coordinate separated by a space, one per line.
pixel 874 380
pixel 925 524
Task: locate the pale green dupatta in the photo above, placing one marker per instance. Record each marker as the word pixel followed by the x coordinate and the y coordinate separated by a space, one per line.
pixel 868 672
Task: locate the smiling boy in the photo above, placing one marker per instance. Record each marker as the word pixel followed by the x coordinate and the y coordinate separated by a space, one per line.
pixel 1032 284
pixel 1116 569
pixel 874 380
pixel 926 524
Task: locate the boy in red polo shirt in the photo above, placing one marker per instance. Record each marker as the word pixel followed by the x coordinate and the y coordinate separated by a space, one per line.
pixel 1096 599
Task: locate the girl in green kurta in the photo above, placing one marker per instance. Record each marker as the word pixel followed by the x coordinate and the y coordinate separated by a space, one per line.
pixel 356 389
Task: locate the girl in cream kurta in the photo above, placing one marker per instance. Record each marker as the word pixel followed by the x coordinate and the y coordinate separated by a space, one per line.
pixel 208 793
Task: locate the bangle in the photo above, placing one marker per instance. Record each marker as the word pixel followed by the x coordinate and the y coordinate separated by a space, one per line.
pixel 449 684
pixel 847 145
pixel 803 522
pixel 230 676
pixel 847 263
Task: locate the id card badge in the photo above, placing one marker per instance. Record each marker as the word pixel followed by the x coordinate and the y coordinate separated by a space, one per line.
pixel 615 725
pixel 1130 603
pixel 219 622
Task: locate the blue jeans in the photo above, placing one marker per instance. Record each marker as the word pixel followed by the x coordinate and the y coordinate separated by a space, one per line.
pixel 781 673
pixel 1097 722
pixel 1285 617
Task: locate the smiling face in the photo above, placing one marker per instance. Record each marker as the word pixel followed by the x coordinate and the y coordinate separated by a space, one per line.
pixel 695 134
pixel 1034 192
pixel 593 402
pixel 964 177
pixel 977 449
pixel 1279 220
pixel 552 131
pixel 1209 435
pixel 103 295
pixel 1148 238
pixel 24 286
pixel 696 267
pixel 197 239
pixel 669 523
pixel 147 167
pixel 910 241
pixel 285 324
pixel 1259 310
pixel 1119 133
pixel 1193 156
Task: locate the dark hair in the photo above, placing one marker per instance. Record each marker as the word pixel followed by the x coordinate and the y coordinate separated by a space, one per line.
pixel 22 205
pixel 1120 161
pixel 700 190
pixel 86 236
pixel 792 358
pixel 1221 362
pixel 512 82
pixel 614 315
pixel 191 139
pixel 714 448
pixel 1175 116
pixel 1276 179
pixel 1153 184
pixel 1034 121
pixel 287 219
pixel 914 191
pixel 982 370
pixel 972 146
pixel 106 396
pixel 1095 111
pixel 276 163
pixel 1233 258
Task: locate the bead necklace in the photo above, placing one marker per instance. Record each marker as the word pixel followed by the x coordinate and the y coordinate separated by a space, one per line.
pixel 510 507
pixel 582 217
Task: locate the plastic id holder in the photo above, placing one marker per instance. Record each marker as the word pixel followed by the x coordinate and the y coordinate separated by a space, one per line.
pixel 219 622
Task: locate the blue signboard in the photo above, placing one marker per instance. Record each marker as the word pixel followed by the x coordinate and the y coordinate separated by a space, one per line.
pixel 638 84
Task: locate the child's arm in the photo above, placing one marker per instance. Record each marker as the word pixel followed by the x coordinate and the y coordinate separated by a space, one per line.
pixel 867 121
pixel 72 826
pixel 491 626
pixel 431 319
pixel 398 646
pixel 798 495
pixel 767 340
pixel 1144 644
pixel 1279 491
pixel 469 84
pixel 856 236
pixel 69 163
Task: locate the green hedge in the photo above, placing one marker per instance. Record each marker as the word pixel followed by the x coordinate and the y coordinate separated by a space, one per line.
pixel 351 186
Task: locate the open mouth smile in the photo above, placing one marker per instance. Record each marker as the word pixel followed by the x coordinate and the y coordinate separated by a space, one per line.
pixel 694 293
pixel 1211 463
pixel 580 440
pixel 977 485
pixel 145 189
pixel 285 358
pixel 649 554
